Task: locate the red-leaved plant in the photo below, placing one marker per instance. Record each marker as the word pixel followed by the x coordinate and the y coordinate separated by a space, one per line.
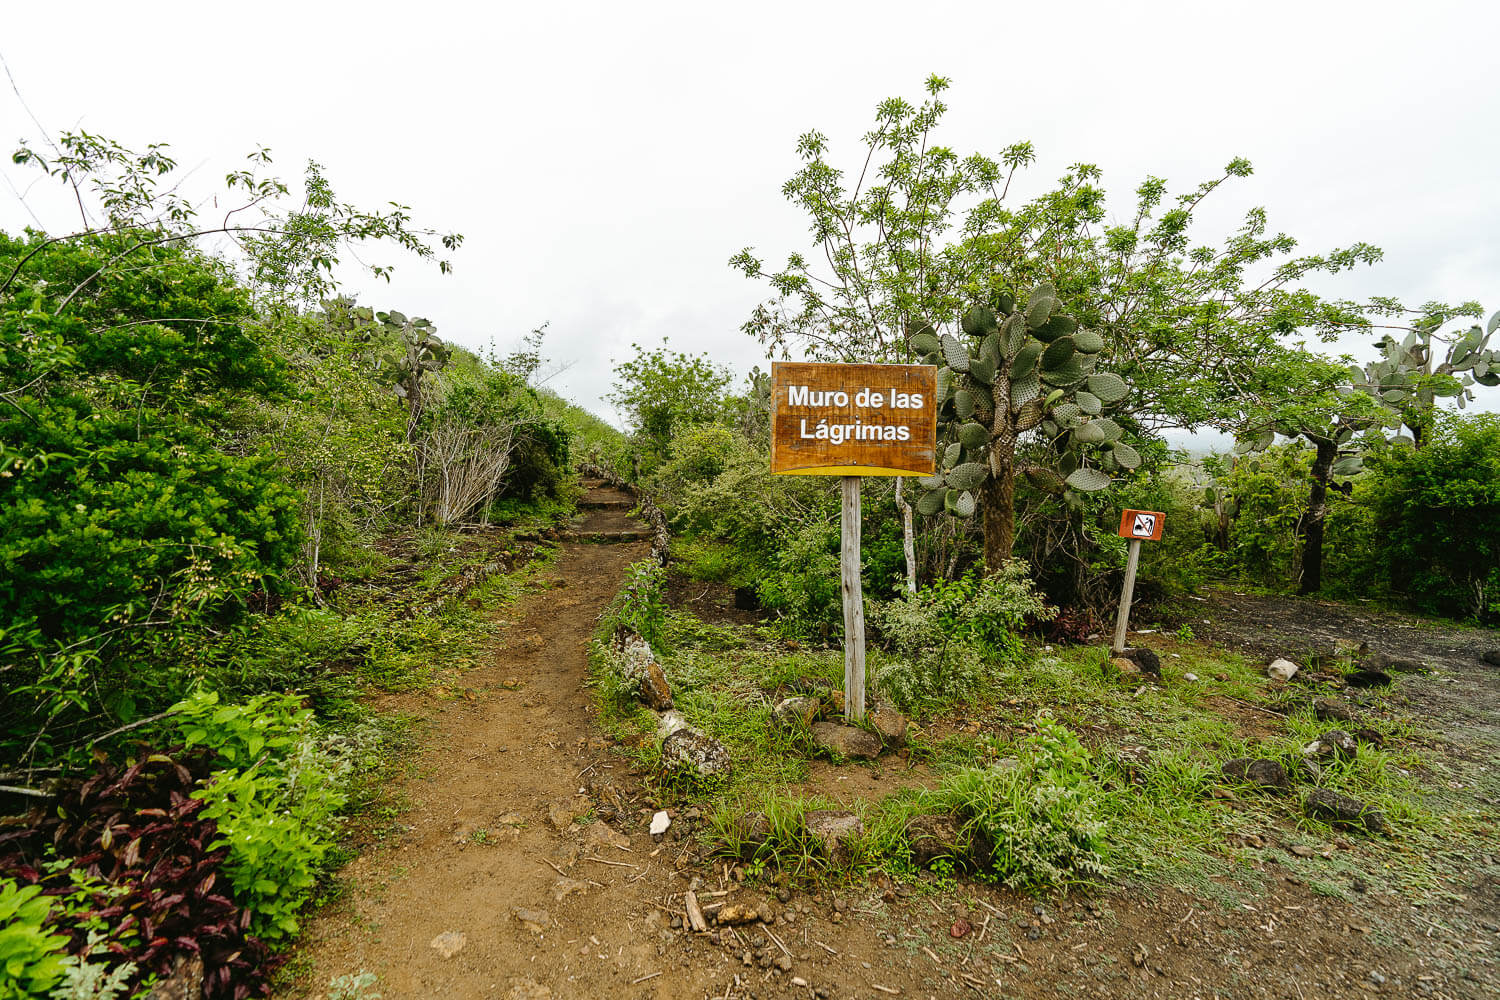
pixel 137 829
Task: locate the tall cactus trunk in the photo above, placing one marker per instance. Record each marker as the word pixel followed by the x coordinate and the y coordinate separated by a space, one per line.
pixel 999 499
pixel 1317 513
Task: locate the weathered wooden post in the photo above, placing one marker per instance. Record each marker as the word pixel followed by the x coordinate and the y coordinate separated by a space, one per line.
pixel 1135 525
pixel 853 421
pixel 854 602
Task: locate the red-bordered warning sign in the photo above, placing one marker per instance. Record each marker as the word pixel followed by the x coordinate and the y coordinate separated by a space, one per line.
pixel 1143 524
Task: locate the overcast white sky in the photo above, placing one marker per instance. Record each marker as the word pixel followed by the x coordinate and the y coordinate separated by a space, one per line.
pixel 604 160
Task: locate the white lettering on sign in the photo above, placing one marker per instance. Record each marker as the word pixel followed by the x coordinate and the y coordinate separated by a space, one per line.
pixel 804 395
pixel 857 431
pixel 1144 526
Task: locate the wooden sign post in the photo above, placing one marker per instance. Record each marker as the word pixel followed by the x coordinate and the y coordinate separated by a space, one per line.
pixel 853 421
pixel 1138 526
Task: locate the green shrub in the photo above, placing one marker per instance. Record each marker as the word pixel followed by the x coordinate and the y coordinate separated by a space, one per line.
pixel 1072 542
pixel 128 518
pixel 1437 510
pixel 802 580
pixel 947 637
pixel 640 605
pixel 32 960
pixel 697 456
pixel 1271 492
pixel 1035 825
pixel 275 803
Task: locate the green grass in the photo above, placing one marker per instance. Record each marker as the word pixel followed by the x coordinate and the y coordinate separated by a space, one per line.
pixel 720 562
pixel 1152 776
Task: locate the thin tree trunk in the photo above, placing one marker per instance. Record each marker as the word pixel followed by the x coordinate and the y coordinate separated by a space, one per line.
pixel 908 537
pixel 1317 512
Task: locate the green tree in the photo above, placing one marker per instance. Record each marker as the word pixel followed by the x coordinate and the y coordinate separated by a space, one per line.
pixel 661 392
pixel 125 518
pixel 1010 370
pixel 1438 514
pixel 1299 394
pixel 922 232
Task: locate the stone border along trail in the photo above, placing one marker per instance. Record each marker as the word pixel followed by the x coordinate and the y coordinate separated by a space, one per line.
pixel 492 889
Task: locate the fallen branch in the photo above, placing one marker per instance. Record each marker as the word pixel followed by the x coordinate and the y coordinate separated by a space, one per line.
pixel 34 793
pixel 696 919
pixel 133 725
pixel 772 935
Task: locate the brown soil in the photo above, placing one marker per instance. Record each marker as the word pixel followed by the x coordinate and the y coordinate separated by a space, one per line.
pixel 527 747
pixel 708 600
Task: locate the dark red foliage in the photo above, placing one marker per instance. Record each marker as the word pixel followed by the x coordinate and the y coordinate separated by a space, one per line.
pixel 1074 625
pixel 138 827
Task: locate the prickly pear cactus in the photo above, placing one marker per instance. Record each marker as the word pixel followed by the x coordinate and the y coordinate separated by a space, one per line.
pixel 1409 376
pixel 1012 368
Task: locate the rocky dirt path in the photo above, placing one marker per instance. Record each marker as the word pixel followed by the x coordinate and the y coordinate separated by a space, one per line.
pixel 492 889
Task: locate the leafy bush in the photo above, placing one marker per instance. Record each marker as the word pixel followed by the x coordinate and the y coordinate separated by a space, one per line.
pixel 159 890
pixel 125 521
pixel 697 456
pixel 1034 825
pixel 1437 510
pixel 639 606
pixel 662 392
pixel 1078 558
pixel 276 803
pixel 32 959
pixel 946 635
pixel 801 582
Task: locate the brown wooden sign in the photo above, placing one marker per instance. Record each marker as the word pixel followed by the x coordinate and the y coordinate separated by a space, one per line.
pixel 853 420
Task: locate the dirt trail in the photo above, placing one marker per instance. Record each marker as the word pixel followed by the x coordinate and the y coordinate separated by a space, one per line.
pixel 478 845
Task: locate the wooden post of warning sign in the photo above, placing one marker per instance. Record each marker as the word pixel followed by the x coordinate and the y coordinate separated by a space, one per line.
pixel 853 421
pixel 1138 526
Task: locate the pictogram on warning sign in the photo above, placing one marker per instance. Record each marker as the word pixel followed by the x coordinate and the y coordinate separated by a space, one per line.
pixel 1142 524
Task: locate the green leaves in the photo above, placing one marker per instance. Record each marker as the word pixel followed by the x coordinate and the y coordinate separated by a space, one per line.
pixel 1127 456
pixel 275 804
pixel 973 436
pixel 1056 327
pixel 1348 465
pixel 1024 390
pixel 1058 353
pixel 982 369
pixel 978 321
pixel 1088 341
pixel 31 958
pixel 1069 373
pixel 925 343
pixel 1039 310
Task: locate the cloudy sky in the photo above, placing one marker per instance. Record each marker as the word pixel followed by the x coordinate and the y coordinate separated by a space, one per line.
pixel 604 160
